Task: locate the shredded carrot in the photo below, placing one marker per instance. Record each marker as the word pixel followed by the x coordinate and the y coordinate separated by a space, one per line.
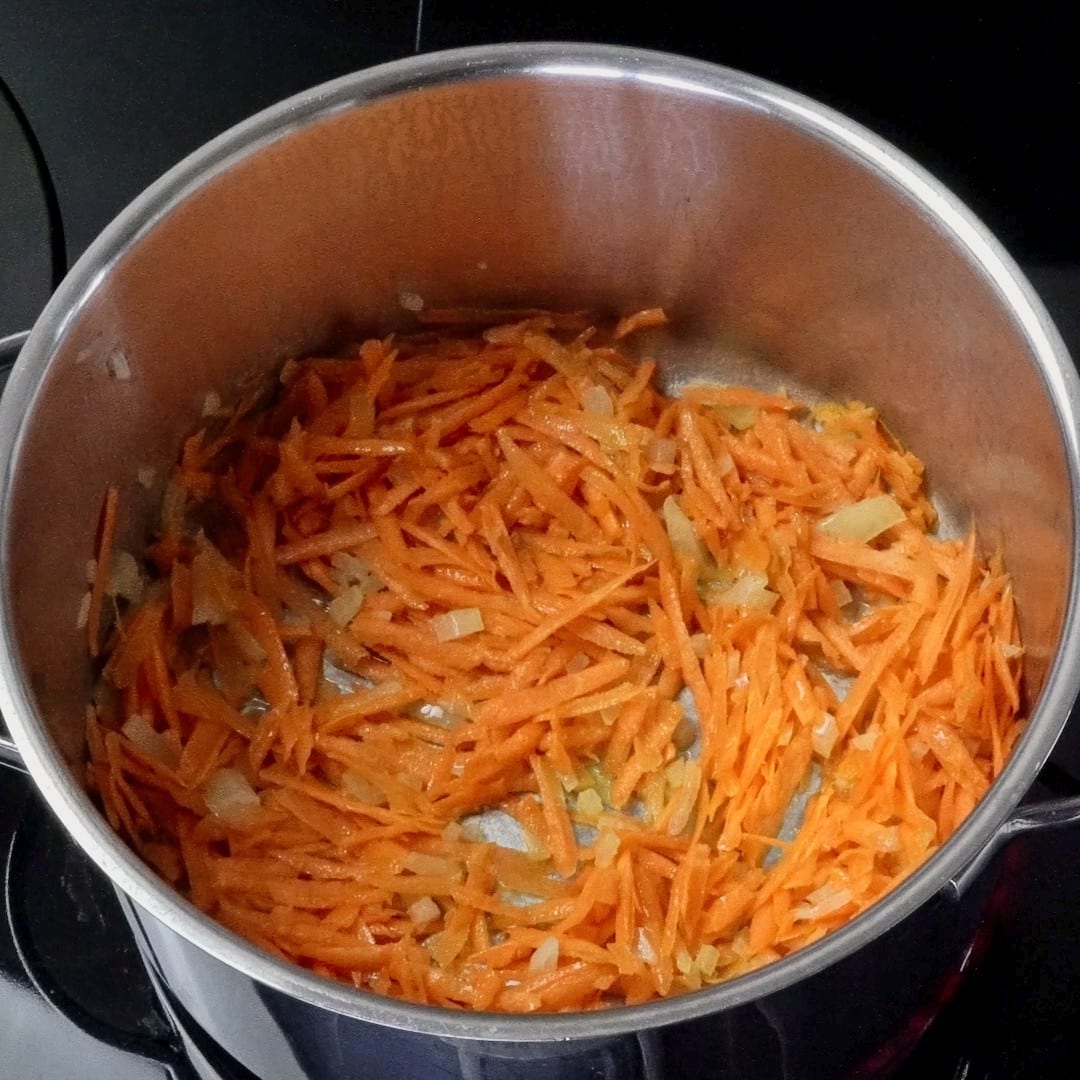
pixel 480 673
pixel 107 535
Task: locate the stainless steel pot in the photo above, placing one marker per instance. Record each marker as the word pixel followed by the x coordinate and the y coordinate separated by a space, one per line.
pixel 789 245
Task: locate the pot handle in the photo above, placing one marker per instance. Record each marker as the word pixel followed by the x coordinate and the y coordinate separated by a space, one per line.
pixel 1034 817
pixel 10 347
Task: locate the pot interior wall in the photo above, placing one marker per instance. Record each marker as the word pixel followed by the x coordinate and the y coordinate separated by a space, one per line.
pixel 780 260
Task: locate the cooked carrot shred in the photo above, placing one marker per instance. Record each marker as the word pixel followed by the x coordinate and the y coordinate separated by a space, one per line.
pixel 579 796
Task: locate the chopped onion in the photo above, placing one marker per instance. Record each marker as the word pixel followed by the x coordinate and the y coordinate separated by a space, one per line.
pixel 824 735
pixel 125 577
pixel 211 403
pixel 660 455
pixel 545 956
pixel 146 476
pixel 707 958
pixel 739 417
pixel 443 716
pixel 578 662
pixel 589 804
pixel 138 730
pixel 362 788
pixel 674 774
pixel 82 613
pixel 683 960
pixel 865 519
pixel 750 590
pixel 1011 651
pixel 424 910
pixel 211 596
pixel 597 400
pixel 230 797
pixel 116 364
pixel 821 902
pixel 888 839
pixel 865 740
pixel 343 609
pixel 700 644
pixel 459 623
pixel 411 301
pixel 680 530
pixel 606 848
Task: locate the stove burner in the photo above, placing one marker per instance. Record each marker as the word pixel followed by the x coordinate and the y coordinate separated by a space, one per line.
pixel 75 948
pixel 32 253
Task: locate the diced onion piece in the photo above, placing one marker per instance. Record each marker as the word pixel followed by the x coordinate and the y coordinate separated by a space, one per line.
pixel 411 301
pixel 865 740
pixel 348 570
pixel 680 530
pixel 739 417
pixel 821 902
pixel 1011 651
pixel 865 519
pixel 589 804
pixel 545 956
pixel 146 476
pixel 230 797
pixel 683 960
pixel 597 400
pixel 138 730
pixel 607 847
pixel 82 613
pixel 116 364
pixel 359 787
pixel 125 577
pixel 749 590
pixel 535 849
pixel 578 662
pixel 211 403
pixel 458 623
pixel 424 910
pixel 660 455
pixel 824 735
pixel 700 644
pixel 707 958
pixel 674 774
pixel 419 862
pixel 918 748
pixel 212 596
pixel 343 608
pixel 888 839
pixel 443 716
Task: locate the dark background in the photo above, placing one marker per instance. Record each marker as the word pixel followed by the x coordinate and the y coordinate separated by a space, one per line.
pixel 117 91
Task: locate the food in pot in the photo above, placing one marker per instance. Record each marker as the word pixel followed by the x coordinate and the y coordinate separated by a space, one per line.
pixel 472 669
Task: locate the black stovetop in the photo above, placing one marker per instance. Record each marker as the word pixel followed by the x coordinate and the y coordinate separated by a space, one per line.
pixel 96 101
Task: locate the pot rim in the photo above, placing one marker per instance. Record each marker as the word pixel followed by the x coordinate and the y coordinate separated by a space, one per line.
pixel 677 74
